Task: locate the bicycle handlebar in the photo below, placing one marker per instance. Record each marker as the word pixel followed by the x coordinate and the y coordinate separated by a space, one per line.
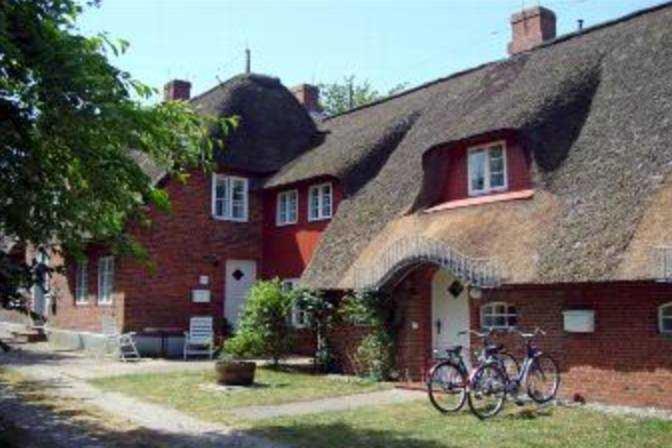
pixel 536 331
pixel 476 333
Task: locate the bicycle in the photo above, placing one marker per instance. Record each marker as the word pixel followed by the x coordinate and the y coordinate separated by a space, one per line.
pixel 490 384
pixel 447 385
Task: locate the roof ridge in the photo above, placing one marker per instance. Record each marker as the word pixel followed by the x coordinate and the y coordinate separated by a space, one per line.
pixel 557 40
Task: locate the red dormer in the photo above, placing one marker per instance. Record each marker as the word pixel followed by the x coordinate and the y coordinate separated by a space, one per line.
pixel 487 168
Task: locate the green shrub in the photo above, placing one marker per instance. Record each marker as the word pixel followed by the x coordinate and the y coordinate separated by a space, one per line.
pixel 263 330
pixel 375 355
pixel 319 313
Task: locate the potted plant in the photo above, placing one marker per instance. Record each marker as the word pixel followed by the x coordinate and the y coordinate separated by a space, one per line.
pixel 234 372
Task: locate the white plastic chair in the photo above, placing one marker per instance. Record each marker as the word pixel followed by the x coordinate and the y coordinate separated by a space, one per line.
pixel 200 339
pixel 122 343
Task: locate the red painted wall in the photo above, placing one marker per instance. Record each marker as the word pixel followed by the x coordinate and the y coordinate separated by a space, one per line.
pixel 455 169
pixel 288 249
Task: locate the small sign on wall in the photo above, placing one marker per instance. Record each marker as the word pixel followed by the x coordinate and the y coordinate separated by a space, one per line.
pixel 579 321
pixel 200 295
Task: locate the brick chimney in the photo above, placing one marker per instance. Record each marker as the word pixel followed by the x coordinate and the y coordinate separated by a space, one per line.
pixel 177 89
pixel 531 27
pixel 309 96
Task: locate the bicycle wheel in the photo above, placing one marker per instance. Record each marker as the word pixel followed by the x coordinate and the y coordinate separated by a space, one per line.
pixel 447 387
pixel 543 379
pixel 487 391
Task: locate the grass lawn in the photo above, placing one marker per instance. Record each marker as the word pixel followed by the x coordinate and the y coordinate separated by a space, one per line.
pixel 417 425
pixel 192 392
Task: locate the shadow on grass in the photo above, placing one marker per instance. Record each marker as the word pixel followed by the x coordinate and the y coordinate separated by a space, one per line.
pixel 529 413
pixel 306 434
pixel 56 421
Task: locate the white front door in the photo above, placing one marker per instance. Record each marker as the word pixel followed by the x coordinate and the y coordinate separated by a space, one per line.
pixel 240 274
pixel 450 315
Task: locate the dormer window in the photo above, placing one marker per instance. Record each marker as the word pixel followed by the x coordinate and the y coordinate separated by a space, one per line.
pixel 287 207
pixel 320 202
pixel 487 168
pixel 229 198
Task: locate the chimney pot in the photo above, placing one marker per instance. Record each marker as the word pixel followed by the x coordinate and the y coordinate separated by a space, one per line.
pixel 177 89
pixel 309 97
pixel 531 27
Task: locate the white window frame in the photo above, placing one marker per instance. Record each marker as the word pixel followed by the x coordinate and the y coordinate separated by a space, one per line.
pixel 281 220
pixel 661 309
pixel 82 282
pixel 507 314
pixel 106 280
pixel 320 202
pixel 227 214
pixel 296 319
pixel 487 188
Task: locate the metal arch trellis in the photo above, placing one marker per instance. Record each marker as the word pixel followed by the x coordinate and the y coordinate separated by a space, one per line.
pixel 408 251
pixel 663 263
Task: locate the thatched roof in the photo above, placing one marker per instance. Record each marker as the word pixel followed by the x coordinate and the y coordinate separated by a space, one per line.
pixel 594 108
pixel 274 128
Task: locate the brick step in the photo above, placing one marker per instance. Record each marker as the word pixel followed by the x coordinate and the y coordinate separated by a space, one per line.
pixel 29 336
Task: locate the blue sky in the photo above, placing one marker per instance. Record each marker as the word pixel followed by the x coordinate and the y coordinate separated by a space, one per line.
pixel 385 41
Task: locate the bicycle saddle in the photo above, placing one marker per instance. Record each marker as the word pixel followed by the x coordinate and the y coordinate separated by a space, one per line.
pixel 456 349
pixel 492 348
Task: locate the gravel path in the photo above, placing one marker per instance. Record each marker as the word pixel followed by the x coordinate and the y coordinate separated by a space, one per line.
pixel 330 404
pixel 60 375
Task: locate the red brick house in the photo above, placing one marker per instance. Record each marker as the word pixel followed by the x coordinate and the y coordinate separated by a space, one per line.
pixel 530 191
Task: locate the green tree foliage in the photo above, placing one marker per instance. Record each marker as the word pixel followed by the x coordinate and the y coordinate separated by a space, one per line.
pixel 264 328
pixel 70 124
pixel 342 96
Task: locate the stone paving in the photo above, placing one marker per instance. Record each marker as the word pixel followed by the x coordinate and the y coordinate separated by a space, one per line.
pixel 66 374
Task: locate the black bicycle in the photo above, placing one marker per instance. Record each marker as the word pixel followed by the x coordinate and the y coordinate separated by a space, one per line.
pixel 448 379
pixel 490 383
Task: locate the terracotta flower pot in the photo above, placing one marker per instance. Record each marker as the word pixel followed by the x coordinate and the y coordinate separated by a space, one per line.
pixel 235 373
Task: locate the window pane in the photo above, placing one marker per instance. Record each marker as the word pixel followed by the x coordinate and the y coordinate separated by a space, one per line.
pixel 477 170
pixel 500 321
pixel 667 311
pixel 667 325
pixel 497 180
pixel 314 203
pixel 496 164
pixel 487 321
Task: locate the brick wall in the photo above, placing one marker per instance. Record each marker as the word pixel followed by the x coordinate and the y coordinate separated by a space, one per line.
pixel 625 361
pixel 184 245
pixel 86 316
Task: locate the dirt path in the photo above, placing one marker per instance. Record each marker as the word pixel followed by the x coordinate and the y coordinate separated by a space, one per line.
pixel 330 404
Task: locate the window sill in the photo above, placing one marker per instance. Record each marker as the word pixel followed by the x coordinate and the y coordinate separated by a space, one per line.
pixel 285 224
pixel 479 200
pixel 326 218
pixel 221 218
pixel 104 304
